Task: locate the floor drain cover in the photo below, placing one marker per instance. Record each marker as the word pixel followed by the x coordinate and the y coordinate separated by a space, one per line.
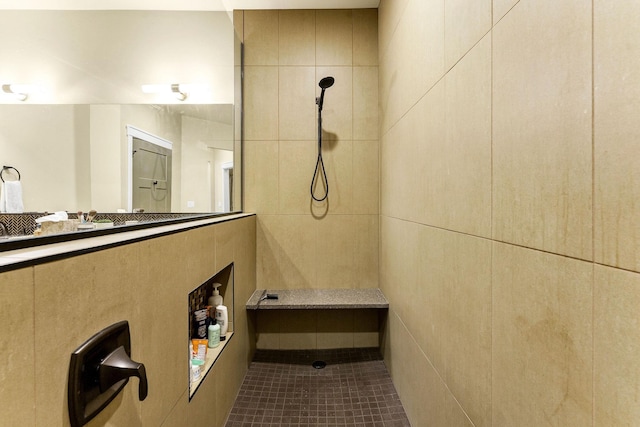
pixel 318 364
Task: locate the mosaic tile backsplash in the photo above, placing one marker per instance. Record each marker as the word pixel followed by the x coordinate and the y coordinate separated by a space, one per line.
pixel 25 223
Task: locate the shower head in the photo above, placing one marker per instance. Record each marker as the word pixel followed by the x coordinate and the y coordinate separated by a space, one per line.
pixel 325 83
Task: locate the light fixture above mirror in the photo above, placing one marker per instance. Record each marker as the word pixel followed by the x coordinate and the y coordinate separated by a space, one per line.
pixel 20 92
pixel 180 91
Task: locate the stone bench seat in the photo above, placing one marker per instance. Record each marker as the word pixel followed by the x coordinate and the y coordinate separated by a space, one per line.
pixel 309 299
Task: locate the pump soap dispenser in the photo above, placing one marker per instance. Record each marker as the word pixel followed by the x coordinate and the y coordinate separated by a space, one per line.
pixel 215 299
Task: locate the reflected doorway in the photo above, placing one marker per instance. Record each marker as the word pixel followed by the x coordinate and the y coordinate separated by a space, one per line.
pixel 150 182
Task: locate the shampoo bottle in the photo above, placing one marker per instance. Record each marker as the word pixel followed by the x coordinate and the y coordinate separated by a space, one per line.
pixel 222 319
pixel 214 335
pixel 215 299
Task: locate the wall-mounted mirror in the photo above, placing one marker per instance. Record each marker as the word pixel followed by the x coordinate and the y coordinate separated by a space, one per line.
pixel 70 139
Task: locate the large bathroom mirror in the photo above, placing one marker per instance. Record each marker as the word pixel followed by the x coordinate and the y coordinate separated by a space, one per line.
pixel 70 136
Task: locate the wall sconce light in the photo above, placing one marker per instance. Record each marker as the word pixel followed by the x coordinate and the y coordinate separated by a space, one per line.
pixel 178 90
pixel 20 91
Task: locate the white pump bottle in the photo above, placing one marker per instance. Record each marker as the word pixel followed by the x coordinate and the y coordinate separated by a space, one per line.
pixel 215 299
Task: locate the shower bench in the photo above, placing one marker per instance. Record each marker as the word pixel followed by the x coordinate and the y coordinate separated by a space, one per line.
pixel 308 319
pixel 310 299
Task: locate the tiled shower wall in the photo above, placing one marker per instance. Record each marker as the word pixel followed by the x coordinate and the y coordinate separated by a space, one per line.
pixel 48 310
pixel 302 244
pixel 510 174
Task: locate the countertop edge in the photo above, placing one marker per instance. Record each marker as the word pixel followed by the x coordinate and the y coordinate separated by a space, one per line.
pixel 314 299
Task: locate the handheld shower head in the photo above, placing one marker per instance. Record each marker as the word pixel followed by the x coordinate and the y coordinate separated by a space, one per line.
pixel 325 83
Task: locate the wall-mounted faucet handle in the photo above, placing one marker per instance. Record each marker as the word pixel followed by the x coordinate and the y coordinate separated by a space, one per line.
pixel 118 366
pixel 4 230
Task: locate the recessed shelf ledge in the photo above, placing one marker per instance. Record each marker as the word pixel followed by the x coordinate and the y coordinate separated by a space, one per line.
pixel 212 356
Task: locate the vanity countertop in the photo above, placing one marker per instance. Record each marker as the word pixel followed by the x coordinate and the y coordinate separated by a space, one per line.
pixel 306 299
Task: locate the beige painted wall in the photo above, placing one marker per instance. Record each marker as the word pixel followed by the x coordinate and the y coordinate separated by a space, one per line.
pixel 76 158
pixel 46 154
pixel 50 309
pixel 302 244
pixel 104 56
pixel 509 242
pixel 201 163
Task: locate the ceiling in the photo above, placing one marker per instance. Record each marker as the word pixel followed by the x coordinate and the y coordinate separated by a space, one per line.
pixel 186 4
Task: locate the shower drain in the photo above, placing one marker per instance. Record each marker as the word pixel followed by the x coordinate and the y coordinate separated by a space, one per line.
pixel 319 364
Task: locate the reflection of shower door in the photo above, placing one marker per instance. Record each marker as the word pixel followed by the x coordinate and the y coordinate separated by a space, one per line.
pixel 151 177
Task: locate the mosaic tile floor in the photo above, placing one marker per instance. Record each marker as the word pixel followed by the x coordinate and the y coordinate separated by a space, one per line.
pixel 283 389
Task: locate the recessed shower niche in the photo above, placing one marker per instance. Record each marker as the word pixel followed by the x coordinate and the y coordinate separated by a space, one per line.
pixel 204 345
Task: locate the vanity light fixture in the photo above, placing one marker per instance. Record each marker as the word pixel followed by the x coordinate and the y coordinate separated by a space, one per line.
pixel 20 91
pixel 176 88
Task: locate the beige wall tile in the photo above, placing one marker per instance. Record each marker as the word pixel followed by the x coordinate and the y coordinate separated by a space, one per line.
pixel 398 267
pixel 262 178
pixel 616 344
pixel 365 103
pixel 500 8
pixel 261 103
pixel 335 329
pixel 268 333
pixel 392 149
pixel 542 147
pixel 17 351
pixel 366 177
pixel 124 409
pixel 268 250
pixel 202 264
pixel 365 260
pixel 245 258
pixel 288 248
pixel 296 168
pixel 366 328
pixel 202 408
pixel 365 37
pixel 459 167
pixel 542 338
pixel 424 395
pixel 334 37
pixel 146 283
pixel 261 37
pixel 238 23
pixel 179 412
pixel 465 23
pixel 616 134
pixel 335 242
pixel 297 37
pixel 410 161
pixel 338 162
pixel 454 332
pixel 337 111
pixel 164 294
pixel 224 249
pixel 294 237
pixel 389 15
pixel 298 329
pixel 296 98
pixel 311 329
pixel 414 61
pixel 107 297
pixel 228 373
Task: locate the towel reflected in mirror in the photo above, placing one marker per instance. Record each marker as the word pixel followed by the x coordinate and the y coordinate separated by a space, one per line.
pixel 11 197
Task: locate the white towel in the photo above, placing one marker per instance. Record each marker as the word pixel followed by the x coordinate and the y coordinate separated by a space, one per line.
pixel 11 197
